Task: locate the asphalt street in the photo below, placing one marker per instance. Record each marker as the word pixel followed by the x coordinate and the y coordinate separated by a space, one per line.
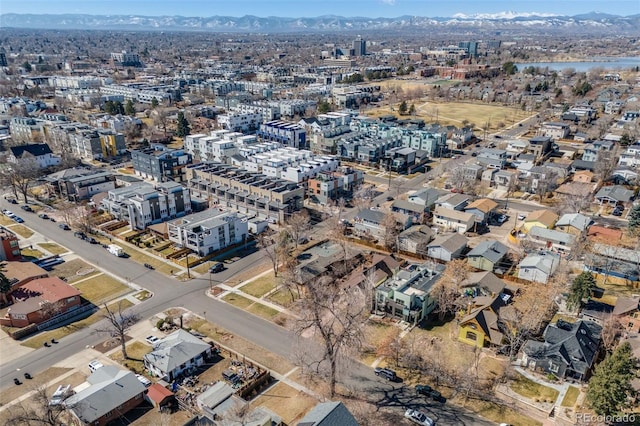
pixel 190 295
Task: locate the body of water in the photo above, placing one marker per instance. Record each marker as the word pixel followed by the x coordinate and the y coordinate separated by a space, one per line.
pixel 606 63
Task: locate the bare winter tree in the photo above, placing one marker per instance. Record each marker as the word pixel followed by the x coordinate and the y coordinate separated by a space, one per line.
pixel 612 329
pixel 605 164
pixel 391 347
pixel 448 289
pixel 334 317
pixel 118 324
pixel 23 173
pixel 161 119
pixel 546 183
pixel 39 411
pixel 276 247
pixel 298 225
pixel 391 230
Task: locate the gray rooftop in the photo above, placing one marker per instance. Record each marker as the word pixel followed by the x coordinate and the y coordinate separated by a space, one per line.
pixel 174 350
pixel 328 414
pixel 552 235
pixel 576 220
pixel 451 243
pixel 491 250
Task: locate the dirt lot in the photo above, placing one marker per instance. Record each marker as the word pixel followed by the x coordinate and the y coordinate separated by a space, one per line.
pixel 285 401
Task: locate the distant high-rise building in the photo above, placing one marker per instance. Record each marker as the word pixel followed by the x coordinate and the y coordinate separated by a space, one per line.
pixel 494 44
pixel 359 47
pixel 126 59
pixel 470 46
pixel 3 59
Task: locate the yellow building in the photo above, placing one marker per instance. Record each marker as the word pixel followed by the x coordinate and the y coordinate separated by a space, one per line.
pixel 542 218
pixel 480 326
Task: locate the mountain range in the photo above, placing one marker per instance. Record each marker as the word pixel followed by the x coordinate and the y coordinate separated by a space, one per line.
pixel 591 22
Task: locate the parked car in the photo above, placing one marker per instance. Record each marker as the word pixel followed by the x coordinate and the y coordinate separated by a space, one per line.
pixel 522 216
pixel 389 198
pixel 43 216
pixel 80 235
pixel 502 218
pixel 474 154
pixel 146 382
pixel 8 213
pixel 617 212
pixel 64 227
pixel 18 219
pixel 151 340
pixel 418 417
pixel 12 201
pixel 94 365
pixel 387 374
pixel 91 240
pixel 216 267
pixel 148 266
pixel 423 389
pixel 27 208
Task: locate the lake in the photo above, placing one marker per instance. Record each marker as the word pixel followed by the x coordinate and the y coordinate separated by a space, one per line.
pixel 606 63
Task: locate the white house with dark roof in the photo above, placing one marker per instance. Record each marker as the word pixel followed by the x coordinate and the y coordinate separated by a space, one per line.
pixel 175 353
pixel 108 394
pixel 40 152
pixel 551 239
pixel 613 195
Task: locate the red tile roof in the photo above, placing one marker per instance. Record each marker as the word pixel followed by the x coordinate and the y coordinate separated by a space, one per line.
pixel 51 289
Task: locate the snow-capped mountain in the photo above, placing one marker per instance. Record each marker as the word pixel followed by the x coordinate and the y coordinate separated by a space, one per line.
pixel 497 21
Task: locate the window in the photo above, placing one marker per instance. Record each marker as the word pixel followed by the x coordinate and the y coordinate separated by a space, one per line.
pixel 553 368
pixel 471 336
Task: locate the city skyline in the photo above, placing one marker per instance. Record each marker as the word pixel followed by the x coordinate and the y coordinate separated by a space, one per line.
pixel 295 9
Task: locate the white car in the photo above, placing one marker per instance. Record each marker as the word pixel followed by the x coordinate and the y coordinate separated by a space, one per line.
pixel 95 365
pixel 151 340
pixel 146 382
pixel 522 216
pixel 9 213
pixel 419 417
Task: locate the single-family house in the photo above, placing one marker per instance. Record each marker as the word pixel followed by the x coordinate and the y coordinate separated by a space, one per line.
pixel 504 180
pixel 455 220
pixel 554 130
pixel 39 300
pixel 614 194
pixel 110 393
pixel 597 312
pixel 479 327
pixel 447 247
pixel 583 176
pixel 453 201
pixel 414 211
pixel 627 310
pixel 492 158
pixel 40 152
pixel 415 239
pixel 175 353
pixel 573 223
pixel 482 209
pixel 426 197
pixel 551 239
pixel 487 255
pixel 568 351
pixel 372 222
pixel 538 267
pixel 329 413
pixel 485 283
pixel 471 172
pixel 160 397
pixel 542 218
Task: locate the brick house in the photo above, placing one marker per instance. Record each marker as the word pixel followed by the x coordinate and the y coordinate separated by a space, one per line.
pixel 39 300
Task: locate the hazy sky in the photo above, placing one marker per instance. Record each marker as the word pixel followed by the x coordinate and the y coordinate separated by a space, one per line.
pixel 312 8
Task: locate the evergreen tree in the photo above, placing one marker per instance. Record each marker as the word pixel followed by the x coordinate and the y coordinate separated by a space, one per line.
pixel 154 103
pixel 610 385
pixel 27 66
pixel 183 125
pixel 581 289
pixel 634 220
pixel 509 68
pixel 403 108
pixel 412 109
pixel 129 109
pixel 324 107
pixel 5 284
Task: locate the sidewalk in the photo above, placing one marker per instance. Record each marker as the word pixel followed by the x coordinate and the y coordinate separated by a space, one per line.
pixel 561 388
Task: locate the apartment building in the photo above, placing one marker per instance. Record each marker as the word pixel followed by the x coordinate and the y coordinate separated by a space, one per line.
pixel 143 204
pixel 285 133
pixel 327 186
pixel 209 231
pixel 554 130
pixel 141 93
pixel 9 246
pixel 25 128
pixel 92 144
pixel 160 163
pixel 253 194
pixel 592 150
pixel 238 121
pixel 219 146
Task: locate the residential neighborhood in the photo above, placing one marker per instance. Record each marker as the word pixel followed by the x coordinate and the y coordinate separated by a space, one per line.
pixel 256 221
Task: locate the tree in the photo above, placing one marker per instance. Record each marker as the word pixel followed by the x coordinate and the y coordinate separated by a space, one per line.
pixel 391 346
pixel 182 126
pixel 161 119
pixel 27 66
pixel 324 107
pixel 336 317
pixel 402 109
pixel 581 289
pixel 118 324
pixel 276 247
pixel 298 225
pixel 412 109
pixel 447 291
pixel 610 387
pixel 129 109
pixel 39 411
pixel 509 68
pixel 154 103
pixel 605 164
pixel 23 174
pixel 634 220
pixel 612 329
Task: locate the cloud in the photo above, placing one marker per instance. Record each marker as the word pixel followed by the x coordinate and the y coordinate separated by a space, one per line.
pixel 389 2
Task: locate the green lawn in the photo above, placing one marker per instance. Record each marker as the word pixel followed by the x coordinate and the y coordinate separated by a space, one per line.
pixel 53 248
pixel 21 230
pixel 260 286
pixel 101 288
pixel 36 342
pixel 237 300
pixel 531 389
pixel 262 311
pixel 571 397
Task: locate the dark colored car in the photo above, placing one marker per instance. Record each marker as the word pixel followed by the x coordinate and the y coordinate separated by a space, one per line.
pixel 27 208
pixel 80 235
pixel 217 267
pixel 43 216
pixel 148 266
pixel 12 201
pixel 389 198
pixel 617 212
pixel 386 373
pixel 91 240
pixel 423 389
pixel 18 219
pixel 474 154
pixel 64 226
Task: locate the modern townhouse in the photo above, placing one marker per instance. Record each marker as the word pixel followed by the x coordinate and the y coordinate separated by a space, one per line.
pixel 160 163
